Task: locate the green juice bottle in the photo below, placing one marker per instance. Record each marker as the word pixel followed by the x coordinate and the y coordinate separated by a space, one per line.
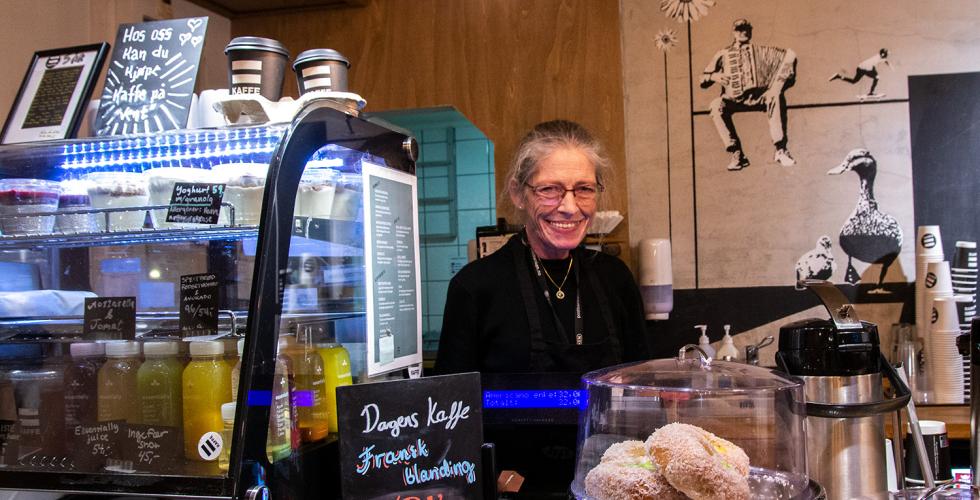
pixel 159 382
pixel 118 393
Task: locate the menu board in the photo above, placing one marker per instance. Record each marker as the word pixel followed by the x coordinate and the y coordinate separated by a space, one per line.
pixel 411 438
pixel 109 318
pixel 394 322
pixel 150 81
pixel 199 303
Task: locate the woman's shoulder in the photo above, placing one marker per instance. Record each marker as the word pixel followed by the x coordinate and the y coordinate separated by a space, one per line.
pixel 486 270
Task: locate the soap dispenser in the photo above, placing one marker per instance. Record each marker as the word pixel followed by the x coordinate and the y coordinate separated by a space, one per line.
pixel 728 352
pixel 704 342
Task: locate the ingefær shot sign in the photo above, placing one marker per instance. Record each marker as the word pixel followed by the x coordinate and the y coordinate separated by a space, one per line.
pixel 150 81
pixel 412 438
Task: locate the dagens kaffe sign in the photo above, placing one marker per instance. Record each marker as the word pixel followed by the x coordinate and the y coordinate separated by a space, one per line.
pixel 412 438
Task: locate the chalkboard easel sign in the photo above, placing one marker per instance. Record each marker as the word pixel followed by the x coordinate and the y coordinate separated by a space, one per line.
pixel 150 81
pixel 412 438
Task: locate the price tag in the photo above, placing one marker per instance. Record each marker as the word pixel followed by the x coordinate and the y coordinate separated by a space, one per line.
pixel 195 203
pixel 199 302
pixel 151 448
pixel 109 318
pixel 96 444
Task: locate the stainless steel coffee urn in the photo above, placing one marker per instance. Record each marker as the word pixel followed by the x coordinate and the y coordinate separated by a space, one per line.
pixel 842 367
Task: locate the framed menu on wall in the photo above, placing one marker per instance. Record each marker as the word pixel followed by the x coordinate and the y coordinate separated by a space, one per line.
pixel 51 100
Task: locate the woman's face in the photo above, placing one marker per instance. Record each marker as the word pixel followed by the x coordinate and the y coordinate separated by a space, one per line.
pixel 555 227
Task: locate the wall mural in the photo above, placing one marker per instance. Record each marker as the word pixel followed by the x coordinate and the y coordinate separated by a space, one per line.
pixel 808 104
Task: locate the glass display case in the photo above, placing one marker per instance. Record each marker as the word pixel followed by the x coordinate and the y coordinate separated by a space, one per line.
pixel 177 309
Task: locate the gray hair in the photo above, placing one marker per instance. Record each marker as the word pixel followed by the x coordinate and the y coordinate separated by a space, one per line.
pixel 544 139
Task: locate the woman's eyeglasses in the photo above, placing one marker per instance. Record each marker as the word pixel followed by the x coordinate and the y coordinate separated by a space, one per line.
pixel 552 194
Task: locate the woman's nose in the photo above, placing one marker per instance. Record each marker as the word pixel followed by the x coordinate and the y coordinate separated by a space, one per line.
pixel 568 203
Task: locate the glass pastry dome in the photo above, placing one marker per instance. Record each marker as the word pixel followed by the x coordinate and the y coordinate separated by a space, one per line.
pixel 627 449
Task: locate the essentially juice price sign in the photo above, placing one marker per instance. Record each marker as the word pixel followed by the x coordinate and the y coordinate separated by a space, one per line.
pixel 412 438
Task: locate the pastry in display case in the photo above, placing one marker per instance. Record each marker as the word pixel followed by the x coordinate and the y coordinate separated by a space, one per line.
pixel 173 323
pixel 692 427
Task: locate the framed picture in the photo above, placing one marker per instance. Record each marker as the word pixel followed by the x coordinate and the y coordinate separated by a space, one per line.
pixel 54 94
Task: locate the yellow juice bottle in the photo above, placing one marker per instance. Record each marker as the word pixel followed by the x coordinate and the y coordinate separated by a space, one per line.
pixel 236 370
pixel 118 394
pixel 228 427
pixel 206 386
pixel 336 373
pixel 159 381
pixel 310 396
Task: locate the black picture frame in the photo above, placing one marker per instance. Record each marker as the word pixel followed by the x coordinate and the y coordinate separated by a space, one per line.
pixel 51 71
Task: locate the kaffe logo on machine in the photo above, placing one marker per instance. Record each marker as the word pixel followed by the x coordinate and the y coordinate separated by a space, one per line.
pixel 408 438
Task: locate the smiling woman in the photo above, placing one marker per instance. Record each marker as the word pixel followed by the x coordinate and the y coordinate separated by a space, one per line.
pixel 542 302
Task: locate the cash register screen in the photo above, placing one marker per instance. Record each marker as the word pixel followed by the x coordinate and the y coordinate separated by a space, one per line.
pixel 532 398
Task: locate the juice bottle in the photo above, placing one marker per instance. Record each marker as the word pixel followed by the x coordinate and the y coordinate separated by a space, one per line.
pixel 82 383
pixel 286 365
pixel 233 355
pixel 159 383
pixel 206 385
pixel 336 372
pixel 236 371
pixel 227 429
pixel 118 391
pixel 279 443
pixel 311 396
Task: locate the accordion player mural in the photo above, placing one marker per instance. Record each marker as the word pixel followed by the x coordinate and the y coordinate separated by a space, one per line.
pixel 752 214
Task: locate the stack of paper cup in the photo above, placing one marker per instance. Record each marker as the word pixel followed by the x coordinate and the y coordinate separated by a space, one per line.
pixel 935 284
pixel 928 248
pixel 963 271
pixel 946 363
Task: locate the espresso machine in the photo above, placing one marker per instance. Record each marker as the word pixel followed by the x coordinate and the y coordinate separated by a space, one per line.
pixel 842 368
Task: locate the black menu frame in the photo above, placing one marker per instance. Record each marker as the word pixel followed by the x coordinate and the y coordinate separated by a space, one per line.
pixel 32 80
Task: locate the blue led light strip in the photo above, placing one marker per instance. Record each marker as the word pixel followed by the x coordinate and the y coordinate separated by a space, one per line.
pixel 136 153
pixel 545 398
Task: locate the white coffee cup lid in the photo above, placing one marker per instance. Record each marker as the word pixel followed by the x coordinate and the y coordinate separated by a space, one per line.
pixel 929 427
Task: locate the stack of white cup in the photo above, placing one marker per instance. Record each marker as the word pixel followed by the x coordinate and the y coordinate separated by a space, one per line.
pixel 963 270
pixel 928 248
pixel 946 362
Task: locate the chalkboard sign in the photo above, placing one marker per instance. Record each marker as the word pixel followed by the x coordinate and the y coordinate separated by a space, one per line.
pixel 109 318
pixel 95 445
pixel 195 203
pixel 151 448
pixel 150 81
pixel 411 438
pixel 199 305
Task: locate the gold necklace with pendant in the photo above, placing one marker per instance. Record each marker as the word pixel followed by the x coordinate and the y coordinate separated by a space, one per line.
pixel 559 294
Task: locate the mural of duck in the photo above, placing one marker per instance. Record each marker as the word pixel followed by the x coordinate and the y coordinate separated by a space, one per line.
pixel 868 235
pixel 818 263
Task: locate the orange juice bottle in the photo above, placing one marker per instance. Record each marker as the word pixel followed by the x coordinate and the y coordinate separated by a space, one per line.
pixel 336 373
pixel 206 386
pixel 159 380
pixel 118 394
pixel 236 370
pixel 311 395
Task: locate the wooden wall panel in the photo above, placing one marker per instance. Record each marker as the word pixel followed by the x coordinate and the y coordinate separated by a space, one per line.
pixel 505 64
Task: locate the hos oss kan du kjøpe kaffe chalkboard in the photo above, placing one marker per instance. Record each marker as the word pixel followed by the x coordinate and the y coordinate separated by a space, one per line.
pixel 149 84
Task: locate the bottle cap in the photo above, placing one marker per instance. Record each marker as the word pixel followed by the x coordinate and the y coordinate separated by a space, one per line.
pixel 81 349
pixel 120 349
pixel 207 348
pixel 160 348
pixel 228 412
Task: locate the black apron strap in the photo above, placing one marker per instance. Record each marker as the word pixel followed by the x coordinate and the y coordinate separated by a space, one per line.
pixel 604 307
pixel 538 345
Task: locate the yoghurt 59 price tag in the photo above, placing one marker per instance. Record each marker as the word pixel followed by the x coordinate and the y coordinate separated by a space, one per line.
pixel 195 203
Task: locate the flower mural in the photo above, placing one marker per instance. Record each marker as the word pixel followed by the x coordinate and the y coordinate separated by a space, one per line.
pixel 666 39
pixel 686 10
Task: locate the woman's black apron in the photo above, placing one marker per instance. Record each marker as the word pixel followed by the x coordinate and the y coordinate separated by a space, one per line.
pixel 557 351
